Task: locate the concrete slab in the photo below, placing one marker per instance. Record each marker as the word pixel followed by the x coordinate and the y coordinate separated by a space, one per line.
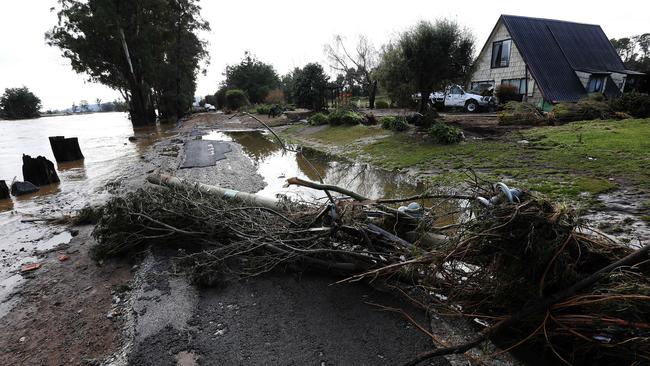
pixel 204 153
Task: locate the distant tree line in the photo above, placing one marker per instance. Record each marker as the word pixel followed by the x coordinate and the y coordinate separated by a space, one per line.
pixel 420 60
pixel 148 50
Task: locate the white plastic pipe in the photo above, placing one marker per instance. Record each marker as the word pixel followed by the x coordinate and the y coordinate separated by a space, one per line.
pixel 230 194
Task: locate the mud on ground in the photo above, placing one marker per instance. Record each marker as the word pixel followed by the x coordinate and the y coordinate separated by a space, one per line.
pixel 67 310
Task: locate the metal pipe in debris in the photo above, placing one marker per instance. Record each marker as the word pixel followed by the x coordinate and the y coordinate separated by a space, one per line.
pixel 230 194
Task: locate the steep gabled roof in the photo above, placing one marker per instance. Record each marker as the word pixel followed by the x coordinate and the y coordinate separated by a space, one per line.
pixel 555 49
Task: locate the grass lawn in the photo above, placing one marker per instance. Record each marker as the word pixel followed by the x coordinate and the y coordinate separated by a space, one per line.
pixel 562 161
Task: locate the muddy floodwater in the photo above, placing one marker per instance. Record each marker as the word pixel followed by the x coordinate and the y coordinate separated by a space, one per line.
pixel 103 138
pixel 277 165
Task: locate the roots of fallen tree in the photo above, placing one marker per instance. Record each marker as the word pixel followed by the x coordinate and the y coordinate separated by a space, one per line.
pixel 582 296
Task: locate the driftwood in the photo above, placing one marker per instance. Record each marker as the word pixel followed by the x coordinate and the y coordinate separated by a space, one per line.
pixel 637 256
pixel 65 149
pixel 39 171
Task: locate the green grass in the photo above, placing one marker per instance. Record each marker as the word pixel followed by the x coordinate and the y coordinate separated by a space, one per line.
pixel 344 135
pixel 562 161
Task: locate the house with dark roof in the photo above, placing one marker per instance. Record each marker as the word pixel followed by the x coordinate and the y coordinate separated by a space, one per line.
pixel 550 61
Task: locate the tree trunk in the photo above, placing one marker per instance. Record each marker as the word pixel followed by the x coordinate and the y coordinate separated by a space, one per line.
pixel 140 108
pixel 65 149
pixel 371 94
pixel 424 99
pixel 39 171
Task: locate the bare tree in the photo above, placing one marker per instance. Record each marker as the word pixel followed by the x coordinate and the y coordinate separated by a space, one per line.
pixel 360 65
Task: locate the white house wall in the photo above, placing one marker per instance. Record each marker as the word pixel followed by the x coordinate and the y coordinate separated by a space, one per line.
pixel 516 68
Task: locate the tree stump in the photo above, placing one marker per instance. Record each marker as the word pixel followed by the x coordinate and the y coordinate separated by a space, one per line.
pixel 39 171
pixel 4 190
pixel 21 188
pixel 65 149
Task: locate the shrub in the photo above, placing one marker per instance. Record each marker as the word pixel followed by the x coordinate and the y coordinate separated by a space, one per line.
pixel 318 119
pixel 382 104
pixel 636 104
pixel 236 98
pixel 594 109
pixel 585 109
pixel 507 93
pixel 387 122
pixel 262 109
pixel 396 124
pixel 275 96
pixel 517 113
pixel 345 117
pixel 445 134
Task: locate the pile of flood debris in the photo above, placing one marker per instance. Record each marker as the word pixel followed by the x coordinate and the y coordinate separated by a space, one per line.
pixel 524 267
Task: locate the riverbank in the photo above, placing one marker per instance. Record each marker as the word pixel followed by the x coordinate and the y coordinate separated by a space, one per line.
pixel 598 166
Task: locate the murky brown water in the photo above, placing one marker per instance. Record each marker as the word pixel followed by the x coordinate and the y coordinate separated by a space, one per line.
pixel 103 138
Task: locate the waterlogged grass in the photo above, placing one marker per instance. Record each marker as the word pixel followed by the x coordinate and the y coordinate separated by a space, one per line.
pixel 561 161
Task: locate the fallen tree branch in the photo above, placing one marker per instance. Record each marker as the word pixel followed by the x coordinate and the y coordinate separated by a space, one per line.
pixel 325 187
pixel 631 259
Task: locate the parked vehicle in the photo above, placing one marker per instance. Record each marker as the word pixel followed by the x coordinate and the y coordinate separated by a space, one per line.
pixel 454 96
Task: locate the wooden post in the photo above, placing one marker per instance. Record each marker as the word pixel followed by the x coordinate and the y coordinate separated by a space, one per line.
pixel 39 171
pixel 65 149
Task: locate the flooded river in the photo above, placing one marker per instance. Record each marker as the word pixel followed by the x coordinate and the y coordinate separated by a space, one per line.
pixel 103 138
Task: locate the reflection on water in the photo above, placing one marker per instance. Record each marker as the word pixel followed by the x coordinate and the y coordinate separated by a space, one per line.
pixel 276 165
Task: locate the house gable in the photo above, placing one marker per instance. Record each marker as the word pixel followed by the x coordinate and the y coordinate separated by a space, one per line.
pixel 516 69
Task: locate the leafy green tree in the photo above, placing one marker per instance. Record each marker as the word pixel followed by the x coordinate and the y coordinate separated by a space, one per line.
pixel 254 77
pixel 236 98
pixel 19 103
pixel 394 77
pixel 211 99
pixel 310 86
pixel 433 55
pixel 287 83
pixel 146 49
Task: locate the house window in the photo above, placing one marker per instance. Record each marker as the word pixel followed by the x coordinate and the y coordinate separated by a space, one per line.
pixel 520 84
pixel 481 87
pixel 501 53
pixel 595 84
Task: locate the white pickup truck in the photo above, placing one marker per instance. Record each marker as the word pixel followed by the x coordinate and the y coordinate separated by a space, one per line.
pixel 455 96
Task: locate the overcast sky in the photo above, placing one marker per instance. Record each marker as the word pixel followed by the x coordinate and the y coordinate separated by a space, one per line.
pixel 285 33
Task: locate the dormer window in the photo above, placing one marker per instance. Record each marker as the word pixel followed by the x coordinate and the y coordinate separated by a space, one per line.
pixel 501 53
pixel 595 84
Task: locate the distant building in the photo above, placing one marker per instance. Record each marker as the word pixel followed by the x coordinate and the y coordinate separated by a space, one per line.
pixel 550 61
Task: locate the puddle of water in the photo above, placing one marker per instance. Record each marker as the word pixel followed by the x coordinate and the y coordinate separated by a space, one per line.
pixel 276 166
